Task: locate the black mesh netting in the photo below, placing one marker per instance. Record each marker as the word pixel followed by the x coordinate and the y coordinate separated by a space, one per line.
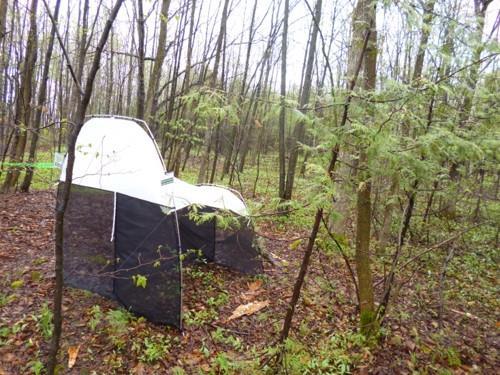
pixel 88 251
pixel 233 248
pixel 197 239
pixel 237 249
pixel 147 246
pixel 142 267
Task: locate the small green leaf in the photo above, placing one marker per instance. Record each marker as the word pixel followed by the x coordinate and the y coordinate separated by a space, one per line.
pixel 140 281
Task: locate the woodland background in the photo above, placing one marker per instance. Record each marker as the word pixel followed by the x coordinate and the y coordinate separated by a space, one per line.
pixel 364 135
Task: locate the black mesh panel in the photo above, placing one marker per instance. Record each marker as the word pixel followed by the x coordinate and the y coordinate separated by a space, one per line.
pixel 237 249
pixel 197 240
pixel 146 245
pixel 88 251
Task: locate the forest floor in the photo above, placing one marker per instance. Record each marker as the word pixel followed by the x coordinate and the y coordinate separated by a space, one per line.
pixel 108 339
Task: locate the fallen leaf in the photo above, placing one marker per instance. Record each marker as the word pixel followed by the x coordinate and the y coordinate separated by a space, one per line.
pixel 254 285
pixel 396 340
pixel 307 301
pixel 410 345
pixel 248 309
pixel 193 358
pixel 253 290
pixel 72 354
pixel 139 369
pixel 9 357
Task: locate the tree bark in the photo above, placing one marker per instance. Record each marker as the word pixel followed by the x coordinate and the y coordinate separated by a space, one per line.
pixel 299 130
pixel 3 18
pixel 364 23
pixel 213 84
pixel 110 78
pixel 65 190
pixel 42 96
pixel 282 118
pixel 141 95
pixel 82 54
pixel 480 7
pixel 425 30
pixel 23 103
pixel 154 79
pixel 287 324
pixel 240 99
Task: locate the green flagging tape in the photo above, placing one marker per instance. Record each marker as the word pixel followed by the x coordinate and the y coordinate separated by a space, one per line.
pixel 40 165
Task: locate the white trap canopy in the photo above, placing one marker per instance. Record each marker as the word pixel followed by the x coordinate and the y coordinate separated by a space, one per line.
pixel 118 155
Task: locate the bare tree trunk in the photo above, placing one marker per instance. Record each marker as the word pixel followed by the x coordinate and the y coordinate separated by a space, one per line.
pixel 442 278
pixel 4 64
pixel 42 96
pixel 185 85
pixel 64 192
pixel 110 77
pixel 208 133
pixel 391 204
pixel 141 95
pixel 3 18
pixel 287 324
pixel 480 7
pixel 417 74
pixel 128 102
pixel 82 54
pixel 154 79
pixel 299 130
pixel 232 138
pixel 425 31
pixel 241 142
pixel 282 118
pixel 364 23
pixel 23 103
pixel 246 133
pixel 477 210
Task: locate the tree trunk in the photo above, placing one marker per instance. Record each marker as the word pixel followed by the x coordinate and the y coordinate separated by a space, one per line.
pixel 64 192
pixel 232 138
pixel 141 95
pixel 425 30
pixel 154 79
pixel 82 54
pixel 364 22
pixel 42 96
pixel 176 165
pixel 23 103
pixel 319 212
pixel 128 102
pixel 282 118
pixel 110 78
pixel 3 18
pixel 208 133
pixel 480 7
pixel 477 210
pixel 299 130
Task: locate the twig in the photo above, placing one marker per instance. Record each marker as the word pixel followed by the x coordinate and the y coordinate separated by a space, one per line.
pixel 281 239
pixel 441 285
pixel 344 256
pixel 283 212
pixel 61 44
pixel 213 325
pixel 438 245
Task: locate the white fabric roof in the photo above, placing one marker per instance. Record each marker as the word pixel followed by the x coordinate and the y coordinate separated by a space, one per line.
pixel 117 154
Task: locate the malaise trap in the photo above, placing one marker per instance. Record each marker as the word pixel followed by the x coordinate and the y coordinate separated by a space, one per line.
pixel 128 226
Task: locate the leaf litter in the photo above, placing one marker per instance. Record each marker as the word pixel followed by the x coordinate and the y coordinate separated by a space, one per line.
pixel 327 308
